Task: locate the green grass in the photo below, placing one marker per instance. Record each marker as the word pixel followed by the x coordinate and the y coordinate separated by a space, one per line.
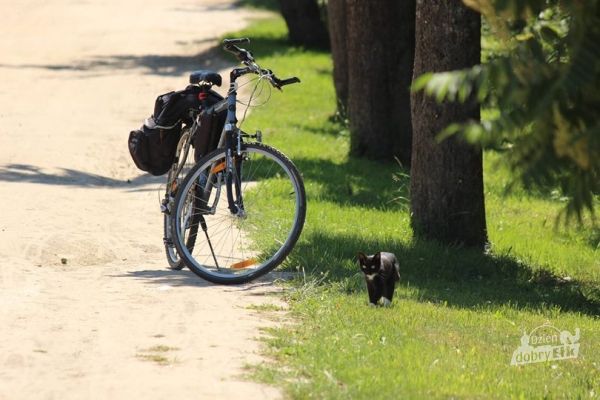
pixel 458 315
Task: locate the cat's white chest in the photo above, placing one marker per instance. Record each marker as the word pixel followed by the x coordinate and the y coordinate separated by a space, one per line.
pixel 370 277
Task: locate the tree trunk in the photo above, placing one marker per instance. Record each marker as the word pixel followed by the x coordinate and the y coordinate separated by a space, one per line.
pixel 336 16
pixel 446 179
pixel 380 44
pixel 304 22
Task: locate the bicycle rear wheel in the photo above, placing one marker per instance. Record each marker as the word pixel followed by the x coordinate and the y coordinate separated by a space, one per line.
pixel 236 247
pixel 175 262
pixel 183 167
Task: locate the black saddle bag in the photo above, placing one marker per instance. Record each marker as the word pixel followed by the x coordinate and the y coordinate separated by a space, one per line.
pixel 175 106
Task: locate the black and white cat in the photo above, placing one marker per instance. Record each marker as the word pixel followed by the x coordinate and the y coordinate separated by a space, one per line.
pixel 382 271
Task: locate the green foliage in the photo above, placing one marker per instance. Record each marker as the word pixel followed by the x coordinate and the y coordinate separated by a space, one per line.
pixel 543 74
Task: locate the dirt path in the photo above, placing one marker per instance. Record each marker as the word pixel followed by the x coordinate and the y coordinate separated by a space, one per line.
pixel 113 322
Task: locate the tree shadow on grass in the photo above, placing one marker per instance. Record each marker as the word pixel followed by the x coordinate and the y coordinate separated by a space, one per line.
pixel 593 239
pixel 357 182
pixel 459 277
pixel 332 128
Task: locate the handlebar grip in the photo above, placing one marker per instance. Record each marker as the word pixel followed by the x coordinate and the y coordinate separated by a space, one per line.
pixel 289 81
pixel 236 41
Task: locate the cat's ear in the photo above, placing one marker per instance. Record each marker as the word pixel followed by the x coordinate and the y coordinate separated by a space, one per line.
pixel 362 258
pixel 377 259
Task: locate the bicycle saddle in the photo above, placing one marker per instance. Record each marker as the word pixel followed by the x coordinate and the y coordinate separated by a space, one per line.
pixel 205 75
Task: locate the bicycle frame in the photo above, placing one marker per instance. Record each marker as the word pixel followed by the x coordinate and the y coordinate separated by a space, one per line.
pixel 231 139
pixel 183 147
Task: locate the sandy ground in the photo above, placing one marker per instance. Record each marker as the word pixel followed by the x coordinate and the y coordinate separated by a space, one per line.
pixel 76 77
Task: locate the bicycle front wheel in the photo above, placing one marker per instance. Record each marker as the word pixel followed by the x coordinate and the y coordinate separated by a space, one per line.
pixel 237 244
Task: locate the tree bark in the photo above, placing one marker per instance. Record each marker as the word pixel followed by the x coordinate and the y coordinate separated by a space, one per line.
pixel 380 45
pixel 336 16
pixel 447 199
pixel 304 22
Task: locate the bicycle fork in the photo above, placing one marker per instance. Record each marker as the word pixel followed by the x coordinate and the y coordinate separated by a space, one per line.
pixel 234 200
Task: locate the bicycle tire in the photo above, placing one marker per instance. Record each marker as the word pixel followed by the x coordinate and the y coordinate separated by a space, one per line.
pixel 261 238
pixel 175 262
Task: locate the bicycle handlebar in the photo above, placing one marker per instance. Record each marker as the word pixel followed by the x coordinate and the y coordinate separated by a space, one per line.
pixel 246 58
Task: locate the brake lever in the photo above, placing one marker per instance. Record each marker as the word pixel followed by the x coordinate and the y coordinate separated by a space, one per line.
pixel 244 56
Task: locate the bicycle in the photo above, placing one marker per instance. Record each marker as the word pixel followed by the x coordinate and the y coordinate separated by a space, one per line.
pixel 247 197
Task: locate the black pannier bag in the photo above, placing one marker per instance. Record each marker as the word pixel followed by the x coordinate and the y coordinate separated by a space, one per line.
pixel 154 145
pixel 211 126
pixel 153 149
